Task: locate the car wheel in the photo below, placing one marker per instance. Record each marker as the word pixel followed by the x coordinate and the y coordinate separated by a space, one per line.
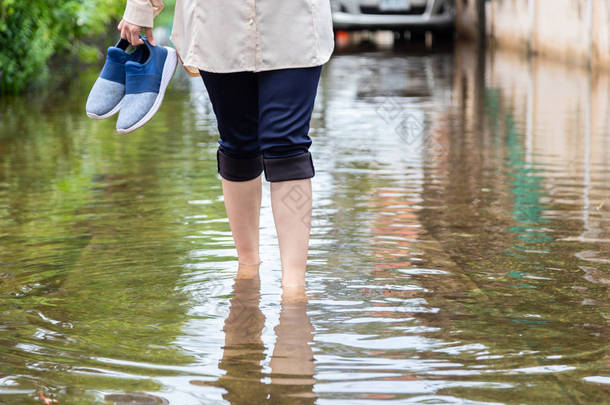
pixel 400 36
pixel 444 35
pixel 417 36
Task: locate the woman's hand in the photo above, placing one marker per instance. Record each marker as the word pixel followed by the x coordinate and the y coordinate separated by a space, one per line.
pixel 131 33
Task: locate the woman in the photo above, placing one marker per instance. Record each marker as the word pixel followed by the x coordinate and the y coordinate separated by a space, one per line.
pixel 260 61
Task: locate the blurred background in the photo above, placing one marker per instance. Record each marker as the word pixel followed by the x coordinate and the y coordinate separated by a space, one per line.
pixel 37 35
pixel 460 243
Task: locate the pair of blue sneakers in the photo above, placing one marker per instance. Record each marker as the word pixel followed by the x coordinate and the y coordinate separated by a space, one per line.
pixel 133 83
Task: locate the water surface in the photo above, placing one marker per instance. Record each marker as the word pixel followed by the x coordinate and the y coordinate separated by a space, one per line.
pixel 459 253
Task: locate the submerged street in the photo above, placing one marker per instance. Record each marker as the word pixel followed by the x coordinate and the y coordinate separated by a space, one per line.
pixel 460 244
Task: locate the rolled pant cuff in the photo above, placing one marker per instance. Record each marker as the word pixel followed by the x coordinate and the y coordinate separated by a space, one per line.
pixel 289 168
pixel 239 169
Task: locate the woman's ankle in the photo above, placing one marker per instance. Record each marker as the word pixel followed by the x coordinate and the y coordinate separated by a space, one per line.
pixel 294 279
pixel 294 293
pixel 247 271
pixel 248 255
pixel 248 260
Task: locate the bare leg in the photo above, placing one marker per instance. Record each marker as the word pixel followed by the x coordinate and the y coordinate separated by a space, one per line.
pixel 243 205
pixel 291 204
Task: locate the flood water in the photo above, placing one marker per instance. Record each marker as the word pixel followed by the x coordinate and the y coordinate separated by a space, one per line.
pixel 460 246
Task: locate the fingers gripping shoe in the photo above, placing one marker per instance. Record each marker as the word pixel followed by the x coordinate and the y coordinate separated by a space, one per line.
pixel 109 89
pixel 145 85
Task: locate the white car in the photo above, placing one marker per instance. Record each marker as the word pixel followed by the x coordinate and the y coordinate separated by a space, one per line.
pixel 397 15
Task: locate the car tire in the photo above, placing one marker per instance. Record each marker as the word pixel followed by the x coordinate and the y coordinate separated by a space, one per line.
pixel 401 36
pixel 417 36
pixel 444 35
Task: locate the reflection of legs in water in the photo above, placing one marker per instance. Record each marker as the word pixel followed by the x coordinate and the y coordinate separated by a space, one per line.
pixel 243 349
pixel 292 364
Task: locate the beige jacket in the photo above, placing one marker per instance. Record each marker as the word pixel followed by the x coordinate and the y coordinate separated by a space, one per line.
pixel 244 35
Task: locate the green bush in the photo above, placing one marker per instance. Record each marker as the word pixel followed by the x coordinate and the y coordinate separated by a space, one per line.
pixel 34 30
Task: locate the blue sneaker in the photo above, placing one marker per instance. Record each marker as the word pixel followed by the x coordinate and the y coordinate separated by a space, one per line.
pixel 109 89
pixel 145 84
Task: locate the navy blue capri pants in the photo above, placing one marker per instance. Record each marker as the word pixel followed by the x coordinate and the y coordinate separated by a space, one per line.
pixel 263 120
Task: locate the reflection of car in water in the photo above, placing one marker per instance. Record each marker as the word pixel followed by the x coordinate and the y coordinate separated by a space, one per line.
pixel 397 15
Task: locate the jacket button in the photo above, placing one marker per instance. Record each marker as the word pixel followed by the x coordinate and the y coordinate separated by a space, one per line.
pixel 250 21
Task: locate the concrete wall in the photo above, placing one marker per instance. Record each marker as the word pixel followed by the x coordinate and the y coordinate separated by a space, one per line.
pixel 558 123
pixel 572 30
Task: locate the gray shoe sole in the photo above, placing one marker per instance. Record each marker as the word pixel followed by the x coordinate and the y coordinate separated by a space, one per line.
pixel 108 114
